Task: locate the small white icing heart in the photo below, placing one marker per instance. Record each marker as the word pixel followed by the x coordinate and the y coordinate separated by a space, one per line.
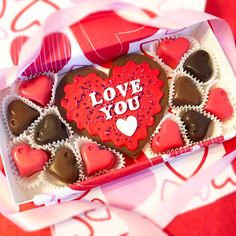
pixel 127 126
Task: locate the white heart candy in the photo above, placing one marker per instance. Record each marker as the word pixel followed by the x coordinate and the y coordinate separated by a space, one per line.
pixel 127 126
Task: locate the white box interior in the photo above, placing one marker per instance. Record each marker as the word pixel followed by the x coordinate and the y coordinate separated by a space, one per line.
pixel 202 32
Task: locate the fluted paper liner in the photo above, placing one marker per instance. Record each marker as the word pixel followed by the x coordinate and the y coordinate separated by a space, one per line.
pixel 7 100
pixel 26 182
pixel 52 181
pixel 50 75
pixel 51 110
pixel 214 129
pixel 119 159
pixel 214 64
pixel 182 130
pixel 194 44
pixel 229 123
pixel 198 86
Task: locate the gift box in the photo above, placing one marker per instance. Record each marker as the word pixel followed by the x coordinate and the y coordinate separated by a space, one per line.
pixel 62 52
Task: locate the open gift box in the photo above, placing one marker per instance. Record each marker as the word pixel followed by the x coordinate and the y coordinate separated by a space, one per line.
pixel 82 54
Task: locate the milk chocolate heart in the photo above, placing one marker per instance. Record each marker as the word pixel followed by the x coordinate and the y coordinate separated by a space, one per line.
pixel 96 159
pixel 20 116
pixel 28 160
pixel 50 129
pixel 199 65
pixel 172 50
pixel 64 166
pixel 97 105
pixel 196 124
pixel 169 137
pixel 218 104
pixel 37 89
pixel 186 92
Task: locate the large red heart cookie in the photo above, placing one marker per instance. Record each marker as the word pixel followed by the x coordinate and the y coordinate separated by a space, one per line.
pixel 96 159
pixel 120 110
pixel 28 160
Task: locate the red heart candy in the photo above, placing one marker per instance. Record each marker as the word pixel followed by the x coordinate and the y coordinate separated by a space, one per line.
pixel 28 160
pixel 37 89
pixel 218 104
pixel 168 138
pixel 102 44
pixel 96 159
pixel 172 50
pixel 54 54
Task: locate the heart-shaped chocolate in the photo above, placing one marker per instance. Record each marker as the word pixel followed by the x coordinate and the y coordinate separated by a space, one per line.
pixel 97 105
pixel 196 124
pixel 96 159
pixel 186 92
pixel 218 104
pixel 199 65
pixel 28 160
pixel 37 89
pixel 172 50
pixel 64 166
pixel 20 116
pixel 50 129
pixel 163 141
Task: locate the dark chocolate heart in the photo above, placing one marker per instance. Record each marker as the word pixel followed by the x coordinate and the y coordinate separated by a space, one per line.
pixel 49 130
pixel 199 65
pixel 186 92
pixel 64 166
pixel 20 116
pixel 196 124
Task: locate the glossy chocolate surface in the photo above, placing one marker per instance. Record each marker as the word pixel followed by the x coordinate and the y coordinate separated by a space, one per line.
pixel 49 130
pixel 20 116
pixel 186 92
pixel 196 124
pixel 199 65
pixel 64 166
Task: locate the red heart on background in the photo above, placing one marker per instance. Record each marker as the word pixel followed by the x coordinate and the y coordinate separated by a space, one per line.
pixel 104 36
pixel 28 160
pixel 195 170
pixel 96 159
pixel 91 214
pixel 2 7
pixel 54 54
pixel 34 12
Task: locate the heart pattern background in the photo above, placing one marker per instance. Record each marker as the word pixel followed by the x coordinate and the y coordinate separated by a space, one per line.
pixel 81 224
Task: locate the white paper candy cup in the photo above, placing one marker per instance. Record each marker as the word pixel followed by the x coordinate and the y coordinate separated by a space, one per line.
pixel 50 75
pixel 52 181
pixel 7 100
pixel 214 64
pixel 214 129
pixel 230 123
pixel 26 182
pixel 51 110
pixel 182 130
pixel 119 159
pixel 194 44
pixel 172 89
